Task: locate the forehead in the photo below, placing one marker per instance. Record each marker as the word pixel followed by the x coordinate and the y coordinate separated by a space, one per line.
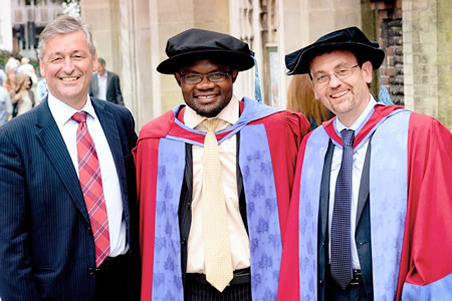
pixel 66 43
pixel 331 59
pixel 202 66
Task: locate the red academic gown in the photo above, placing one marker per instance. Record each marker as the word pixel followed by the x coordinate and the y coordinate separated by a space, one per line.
pixel 284 131
pixel 424 266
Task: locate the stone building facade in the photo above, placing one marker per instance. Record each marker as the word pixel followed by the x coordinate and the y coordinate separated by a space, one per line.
pixel 416 35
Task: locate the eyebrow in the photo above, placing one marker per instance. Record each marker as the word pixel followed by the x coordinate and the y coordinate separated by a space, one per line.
pixel 343 64
pixel 59 53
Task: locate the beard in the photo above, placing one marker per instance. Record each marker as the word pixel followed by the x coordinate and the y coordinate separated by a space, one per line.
pixel 210 111
pixel 205 113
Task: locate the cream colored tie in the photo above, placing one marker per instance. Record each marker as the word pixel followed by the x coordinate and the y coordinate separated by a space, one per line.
pixel 217 247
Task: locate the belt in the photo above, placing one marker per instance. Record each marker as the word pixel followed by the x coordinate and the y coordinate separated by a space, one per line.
pixel 111 263
pixel 357 278
pixel 240 277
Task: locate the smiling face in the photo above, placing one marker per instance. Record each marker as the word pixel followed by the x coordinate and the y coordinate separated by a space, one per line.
pixel 68 66
pixel 347 98
pixel 207 98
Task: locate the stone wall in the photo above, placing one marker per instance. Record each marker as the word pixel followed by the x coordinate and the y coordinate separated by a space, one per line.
pixel 427 46
pixel 390 38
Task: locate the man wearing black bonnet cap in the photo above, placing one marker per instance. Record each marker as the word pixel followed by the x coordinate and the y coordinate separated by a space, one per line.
pixel 214 179
pixel 368 212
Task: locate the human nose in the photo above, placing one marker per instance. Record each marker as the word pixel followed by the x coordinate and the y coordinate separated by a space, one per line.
pixel 205 82
pixel 333 80
pixel 68 65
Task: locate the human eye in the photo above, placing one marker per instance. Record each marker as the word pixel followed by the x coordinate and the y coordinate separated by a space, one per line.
pixel 78 56
pixel 192 78
pixel 55 59
pixel 216 76
pixel 342 71
pixel 321 78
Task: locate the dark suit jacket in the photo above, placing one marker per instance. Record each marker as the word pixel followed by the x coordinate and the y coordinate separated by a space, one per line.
pixel 362 234
pixel 46 246
pixel 113 88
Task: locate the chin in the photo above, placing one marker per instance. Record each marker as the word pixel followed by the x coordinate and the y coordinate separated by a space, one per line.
pixel 207 112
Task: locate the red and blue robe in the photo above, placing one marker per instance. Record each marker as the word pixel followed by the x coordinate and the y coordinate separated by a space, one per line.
pixel 269 141
pixel 410 208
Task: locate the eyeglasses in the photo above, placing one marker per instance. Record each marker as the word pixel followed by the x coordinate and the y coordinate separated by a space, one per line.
pixel 321 79
pixel 193 79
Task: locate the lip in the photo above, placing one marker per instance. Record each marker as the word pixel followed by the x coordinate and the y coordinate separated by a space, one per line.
pixel 339 94
pixel 69 78
pixel 206 98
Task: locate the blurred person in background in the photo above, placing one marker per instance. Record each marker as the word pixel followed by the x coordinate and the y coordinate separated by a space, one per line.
pixel 10 83
pixel 2 75
pixel 300 97
pixel 28 69
pixel 22 96
pixel 5 106
pixel 105 84
pixel 12 64
pixel 41 90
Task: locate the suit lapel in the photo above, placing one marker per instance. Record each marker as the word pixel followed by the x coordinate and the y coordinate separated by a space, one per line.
pixel 108 123
pixel 110 128
pixel 94 85
pixel 109 78
pixel 52 142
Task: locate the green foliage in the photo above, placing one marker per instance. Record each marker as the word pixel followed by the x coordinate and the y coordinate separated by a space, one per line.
pixel 60 1
pixel 5 55
pixel 65 1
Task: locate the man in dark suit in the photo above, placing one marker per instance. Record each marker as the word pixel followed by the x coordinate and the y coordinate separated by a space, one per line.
pixel 67 184
pixel 105 84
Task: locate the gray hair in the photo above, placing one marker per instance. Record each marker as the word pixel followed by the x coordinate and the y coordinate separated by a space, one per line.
pixel 64 25
pixel 101 61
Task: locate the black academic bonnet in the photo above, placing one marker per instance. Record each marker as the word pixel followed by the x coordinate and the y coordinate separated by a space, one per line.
pixel 194 44
pixel 351 38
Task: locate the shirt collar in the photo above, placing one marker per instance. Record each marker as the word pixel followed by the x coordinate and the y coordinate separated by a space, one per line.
pixel 340 126
pixel 62 112
pixel 229 114
pixel 102 77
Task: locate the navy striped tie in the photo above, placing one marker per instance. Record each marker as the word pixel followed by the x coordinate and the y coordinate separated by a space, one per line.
pixel 341 253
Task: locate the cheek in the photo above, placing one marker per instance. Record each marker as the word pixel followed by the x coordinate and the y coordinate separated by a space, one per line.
pixel 186 93
pixel 49 71
pixel 43 71
pixel 316 93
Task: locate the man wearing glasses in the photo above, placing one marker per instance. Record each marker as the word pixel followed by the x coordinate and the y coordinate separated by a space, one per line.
pixel 371 210
pixel 214 179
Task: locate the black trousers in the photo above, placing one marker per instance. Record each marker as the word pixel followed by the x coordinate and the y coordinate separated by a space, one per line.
pixel 196 288
pixel 112 281
pixel 206 292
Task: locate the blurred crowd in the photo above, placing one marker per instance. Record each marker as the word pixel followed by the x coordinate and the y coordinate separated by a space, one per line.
pixel 20 88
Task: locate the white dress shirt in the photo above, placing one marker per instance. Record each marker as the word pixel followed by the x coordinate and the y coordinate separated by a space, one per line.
pixel 240 246
pixel 102 86
pixel 62 113
pixel 359 155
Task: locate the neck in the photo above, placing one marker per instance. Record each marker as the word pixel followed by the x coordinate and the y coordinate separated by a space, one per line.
pixel 348 118
pixel 347 121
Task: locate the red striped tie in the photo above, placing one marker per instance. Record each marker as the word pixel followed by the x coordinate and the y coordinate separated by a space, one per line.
pixel 91 183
